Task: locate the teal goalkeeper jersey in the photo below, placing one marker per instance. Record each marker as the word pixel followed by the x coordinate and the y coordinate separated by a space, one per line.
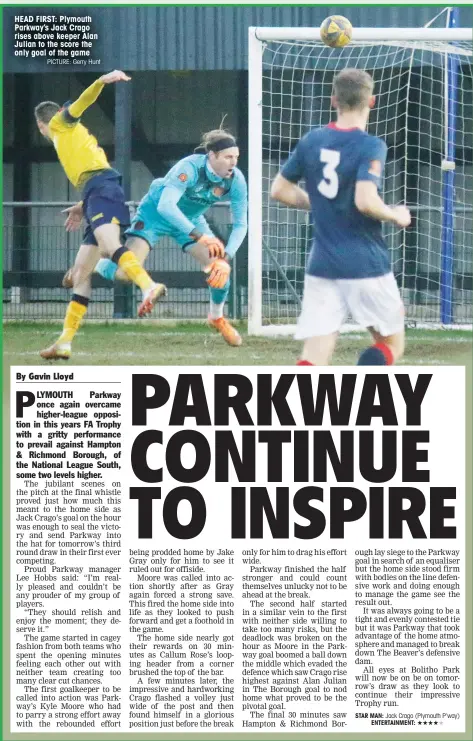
pixel 177 201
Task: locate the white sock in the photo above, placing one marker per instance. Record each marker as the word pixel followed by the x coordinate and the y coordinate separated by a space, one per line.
pixel 216 310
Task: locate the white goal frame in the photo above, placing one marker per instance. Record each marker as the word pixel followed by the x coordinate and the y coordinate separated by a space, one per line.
pixel 257 36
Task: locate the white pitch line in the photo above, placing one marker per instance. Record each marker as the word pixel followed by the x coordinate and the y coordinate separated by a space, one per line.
pixel 423 361
pixel 36 352
pixel 122 334
pixel 159 334
pixel 438 337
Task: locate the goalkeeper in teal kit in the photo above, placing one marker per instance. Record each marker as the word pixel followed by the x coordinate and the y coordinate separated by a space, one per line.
pixel 175 206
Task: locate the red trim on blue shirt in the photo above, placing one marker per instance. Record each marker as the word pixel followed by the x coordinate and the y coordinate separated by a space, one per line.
pixel 333 125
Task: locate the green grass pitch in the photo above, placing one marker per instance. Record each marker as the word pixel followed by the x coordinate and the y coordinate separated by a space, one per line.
pixel 152 343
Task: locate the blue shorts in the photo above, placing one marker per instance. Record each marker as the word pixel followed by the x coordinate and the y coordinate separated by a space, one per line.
pixel 103 203
pixel 151 228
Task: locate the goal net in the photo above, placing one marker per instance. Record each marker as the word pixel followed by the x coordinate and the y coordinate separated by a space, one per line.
pixel 424 112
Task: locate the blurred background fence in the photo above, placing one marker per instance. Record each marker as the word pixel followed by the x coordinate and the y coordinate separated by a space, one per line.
pixel 37 251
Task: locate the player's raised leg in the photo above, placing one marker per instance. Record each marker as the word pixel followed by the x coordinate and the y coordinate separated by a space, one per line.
pixel 143 233
pixel 110 270
pixel 108 237
pixel 81 272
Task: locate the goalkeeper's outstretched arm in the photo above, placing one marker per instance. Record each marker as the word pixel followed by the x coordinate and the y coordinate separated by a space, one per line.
pixel 290 194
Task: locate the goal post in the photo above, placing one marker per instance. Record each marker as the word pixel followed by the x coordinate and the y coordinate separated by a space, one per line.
pixel 450 111
pixel 255 182
pixel 424 112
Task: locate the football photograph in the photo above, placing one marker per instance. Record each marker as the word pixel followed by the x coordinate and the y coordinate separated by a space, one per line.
pixel 237 332
pixel 297 190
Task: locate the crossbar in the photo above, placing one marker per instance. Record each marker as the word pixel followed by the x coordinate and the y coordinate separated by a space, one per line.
pixel 276 33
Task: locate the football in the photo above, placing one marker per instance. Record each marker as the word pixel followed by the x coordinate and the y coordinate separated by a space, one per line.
pixel 336 31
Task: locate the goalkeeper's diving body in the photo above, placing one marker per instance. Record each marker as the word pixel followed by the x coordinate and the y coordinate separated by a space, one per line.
pixel 175 206
pixel 349 269
pixel 103 205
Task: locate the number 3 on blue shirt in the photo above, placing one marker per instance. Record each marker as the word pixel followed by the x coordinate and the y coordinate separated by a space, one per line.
pixel 329 186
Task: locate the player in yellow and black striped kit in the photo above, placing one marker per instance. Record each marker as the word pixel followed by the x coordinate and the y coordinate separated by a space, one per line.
pixel 103 207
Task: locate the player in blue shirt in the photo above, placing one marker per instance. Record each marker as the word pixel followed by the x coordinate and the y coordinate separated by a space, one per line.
pixel 349 268
pixel 175 206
